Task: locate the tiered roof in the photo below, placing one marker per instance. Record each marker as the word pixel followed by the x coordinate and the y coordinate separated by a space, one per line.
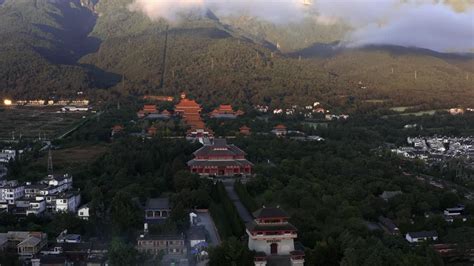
pixel 190 110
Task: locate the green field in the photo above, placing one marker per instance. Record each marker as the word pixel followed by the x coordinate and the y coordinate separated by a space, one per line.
pixel 31 122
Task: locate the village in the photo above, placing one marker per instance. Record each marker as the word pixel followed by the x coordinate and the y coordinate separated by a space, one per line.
pixel 439 149
pixel 269 234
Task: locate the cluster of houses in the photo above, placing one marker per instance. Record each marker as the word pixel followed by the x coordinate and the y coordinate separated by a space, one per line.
pixel 309 111
pixel 456 213
pixel 33 248
pixel 41 102
pixel 53 194
pixel 281 130
pixel 7 155
pixel 460 111
pixel 438 149
pixel 174 248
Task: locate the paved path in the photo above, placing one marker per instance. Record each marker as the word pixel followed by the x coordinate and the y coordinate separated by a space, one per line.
pixel 243 212
pixel 205 219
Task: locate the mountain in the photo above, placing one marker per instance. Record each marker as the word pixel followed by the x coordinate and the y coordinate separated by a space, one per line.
pixel 58 47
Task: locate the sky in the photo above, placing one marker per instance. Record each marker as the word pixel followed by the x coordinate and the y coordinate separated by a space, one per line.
pixel 440 25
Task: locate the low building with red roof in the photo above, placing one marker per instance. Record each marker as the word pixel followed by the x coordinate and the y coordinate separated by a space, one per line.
pixel 244 130
pixel 225 111
pixel 280 130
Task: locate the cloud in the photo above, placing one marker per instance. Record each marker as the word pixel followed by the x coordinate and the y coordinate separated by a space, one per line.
pixel 441 25
pixel 435 27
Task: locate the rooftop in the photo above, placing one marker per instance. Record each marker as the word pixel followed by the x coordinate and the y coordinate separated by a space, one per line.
pixel 253 226
pixel 423 234
pixel 162 237
pixel 158 203
pixel 270 212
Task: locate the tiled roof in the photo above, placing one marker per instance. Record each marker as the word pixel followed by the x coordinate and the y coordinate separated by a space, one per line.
pixel 253 226
pixel 158 203
pixel 219 163
pixel 270 213
pixel 423 234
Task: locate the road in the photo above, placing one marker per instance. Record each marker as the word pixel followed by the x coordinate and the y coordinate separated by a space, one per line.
pixel 243 212
pixel 205 219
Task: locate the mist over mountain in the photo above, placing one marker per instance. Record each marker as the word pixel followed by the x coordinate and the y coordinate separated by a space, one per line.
pixel 217 52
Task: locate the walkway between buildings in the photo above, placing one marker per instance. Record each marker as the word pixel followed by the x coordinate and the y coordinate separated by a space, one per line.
pixel 244 214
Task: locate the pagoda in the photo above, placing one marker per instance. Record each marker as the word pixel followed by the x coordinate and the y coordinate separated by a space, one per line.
pixel 190 111
pixel 220 159
pixel 272 237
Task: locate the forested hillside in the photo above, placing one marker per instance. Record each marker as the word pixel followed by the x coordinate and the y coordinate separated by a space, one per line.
pixel 232 59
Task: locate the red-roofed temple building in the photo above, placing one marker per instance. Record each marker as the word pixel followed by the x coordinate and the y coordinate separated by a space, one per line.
pixel 190 111
pixel 272 237
pixel 224 111
pixel 220 159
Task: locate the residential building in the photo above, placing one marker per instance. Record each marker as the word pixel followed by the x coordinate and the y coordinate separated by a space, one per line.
pixel 83 212
pixel 73 253
pixel 272 237
pixel 8 155
pixel 280 130
pixel 162 244
pixel 52 194
pixel 388 225
pixel 64 237
pixel 11 191
pixel 416 237
pixel 67 202
pixel 26 244
pixel 450 214
pixel 220 159
pixel 157 210
pixel 72 109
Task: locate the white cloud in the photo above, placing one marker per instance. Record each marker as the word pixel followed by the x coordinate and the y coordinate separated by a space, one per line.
pixel 421 23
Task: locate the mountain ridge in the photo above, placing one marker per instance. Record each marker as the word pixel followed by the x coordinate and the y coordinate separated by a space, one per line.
pixel 205 56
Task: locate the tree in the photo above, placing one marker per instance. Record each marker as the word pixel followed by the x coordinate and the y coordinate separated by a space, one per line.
pixel 121 254
pixel 97 210
pixel 124 213
pixel 232 252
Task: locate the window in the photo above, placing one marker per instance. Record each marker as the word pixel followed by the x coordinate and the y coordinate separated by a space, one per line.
pixel 81 213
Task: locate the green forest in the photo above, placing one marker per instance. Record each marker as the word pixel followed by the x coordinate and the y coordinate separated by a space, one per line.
pixel 47 54
pixel 331 190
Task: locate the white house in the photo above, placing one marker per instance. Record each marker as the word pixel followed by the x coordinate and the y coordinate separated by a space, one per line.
pixel 11 191
pixel 7 155
pixel 416 237
pixel 67 202
pixel 36 206
pixel 83 212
